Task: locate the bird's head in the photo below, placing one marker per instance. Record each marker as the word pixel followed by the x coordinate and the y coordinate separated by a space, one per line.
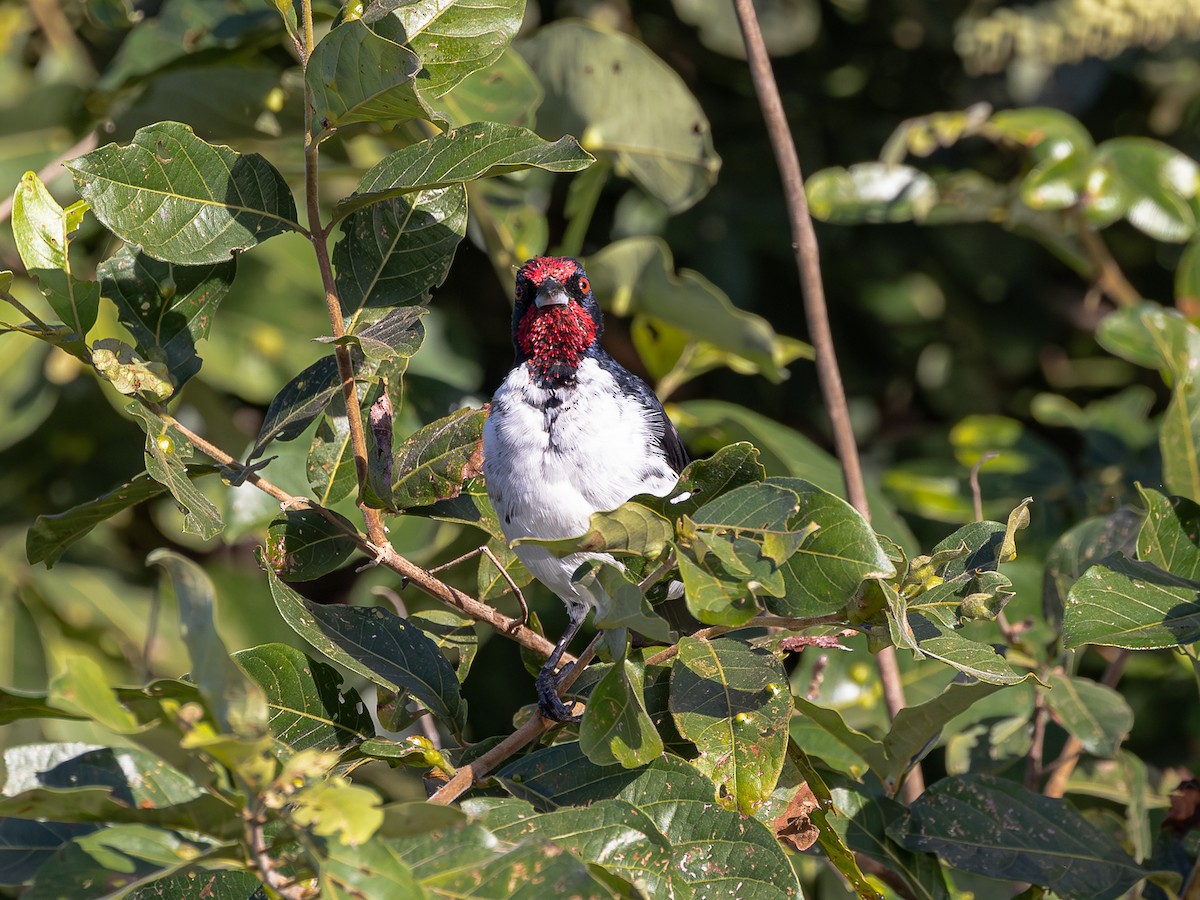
pixel 556 319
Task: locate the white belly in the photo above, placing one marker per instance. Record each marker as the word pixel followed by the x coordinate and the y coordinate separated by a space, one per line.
pixel 554 457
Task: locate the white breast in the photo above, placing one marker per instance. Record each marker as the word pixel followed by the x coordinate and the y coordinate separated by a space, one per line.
pixel 554 457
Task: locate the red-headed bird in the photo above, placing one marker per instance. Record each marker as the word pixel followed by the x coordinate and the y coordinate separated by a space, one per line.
pixel 570 432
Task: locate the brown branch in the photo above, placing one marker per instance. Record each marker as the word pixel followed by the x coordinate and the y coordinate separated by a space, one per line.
pixel 1034 762
pixel 1061 769
pixel 383 554
pixel 256 843
pixel 1106 272
pixel 808 263
pixel 473 773
pixel 319 237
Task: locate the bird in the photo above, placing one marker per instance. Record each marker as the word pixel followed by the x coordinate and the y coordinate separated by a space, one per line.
pixel 568 433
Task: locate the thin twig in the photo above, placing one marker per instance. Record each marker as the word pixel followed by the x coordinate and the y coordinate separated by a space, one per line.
pixel 976 491
pixel 1106 272
pixel 808 263
pixel 256 843
pixel 1037 748
pixel 473 773
pixel 1061 769
pixel 384 554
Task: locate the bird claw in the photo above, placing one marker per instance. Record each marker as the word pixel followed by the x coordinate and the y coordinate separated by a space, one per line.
pixel 549 703
pixel 380 554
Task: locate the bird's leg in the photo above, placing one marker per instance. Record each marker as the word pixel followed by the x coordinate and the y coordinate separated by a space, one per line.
pixel 548 679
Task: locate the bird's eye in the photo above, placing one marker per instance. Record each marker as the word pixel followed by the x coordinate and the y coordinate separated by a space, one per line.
pixel 521 290
pixel 584 286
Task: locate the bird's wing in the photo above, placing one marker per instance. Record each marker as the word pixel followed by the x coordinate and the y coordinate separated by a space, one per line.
pixel 668 438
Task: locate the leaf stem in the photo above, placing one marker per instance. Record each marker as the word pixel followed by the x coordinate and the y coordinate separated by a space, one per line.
pixel 319 237
pixel 1106 273
pixel 791 624
pixel 24 310
pixel 808 263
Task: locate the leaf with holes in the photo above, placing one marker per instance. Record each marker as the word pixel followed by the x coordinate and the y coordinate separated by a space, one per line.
pixel 167 449
pixel 182 200
pixel 1170 536
pixel 302 544
pixel 733 702
pixel 434 463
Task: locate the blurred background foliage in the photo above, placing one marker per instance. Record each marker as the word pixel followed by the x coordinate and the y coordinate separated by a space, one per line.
pixel 953 341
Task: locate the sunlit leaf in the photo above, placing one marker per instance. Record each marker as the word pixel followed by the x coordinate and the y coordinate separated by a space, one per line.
pixel 167 449
pixel 1126 603
pixel 434 463
pixel 182 200
pixel 616 727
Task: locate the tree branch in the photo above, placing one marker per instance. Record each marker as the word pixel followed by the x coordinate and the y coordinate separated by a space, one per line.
pixel 383 554
pixel 808 263
pixel 1061 769
pixel 256 843
pixel 1105 272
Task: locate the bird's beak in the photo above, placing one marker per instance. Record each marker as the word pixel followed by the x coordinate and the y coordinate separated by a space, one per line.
pixel 551 293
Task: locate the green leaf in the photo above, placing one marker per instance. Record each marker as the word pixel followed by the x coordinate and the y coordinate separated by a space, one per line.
pixel 369 870
pixel 1094 713
pixel 1126 603
pixel 167 308
pixel 915 728
pixel 182 200
pixel 715 596
pixel 337 809
pixel 637 277
pixel 475 151
pixel 302 544
pixel 42 230
pixel 616 727
pixel 826 570
pixel 612 834
pixel 506 91
pixel 1187 279
pixel 1049 133
pixel 298 403
pixel 452 40
pixel 26 845
pixel 733 702
pixel 865 822
pixel 1155 182
pixel 620 602
pixel 239 703
pixel 398 335
pixel 394 252
pixel 211 884
pixel 309 707
pixel 788 26
pixel 995 827
pixel 1151 336
pixel 972 658
pixel 1170 535
pixel 434 463
pixel 355 75
pixel 81 689
pixel 1056 182
pixel 166 451
pixel 454 634
pixel 1179 438
pixel 703 479
pixel 378 645
pixel 50 535
pixel 871 750
pixel 626 104
pixel 470 507
pixel 630 529
pixel 871 192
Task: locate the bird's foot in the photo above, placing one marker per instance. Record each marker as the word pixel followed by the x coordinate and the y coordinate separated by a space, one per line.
pixel 549 703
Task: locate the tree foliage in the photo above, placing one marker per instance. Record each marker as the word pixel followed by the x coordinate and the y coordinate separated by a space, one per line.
pixel 264 301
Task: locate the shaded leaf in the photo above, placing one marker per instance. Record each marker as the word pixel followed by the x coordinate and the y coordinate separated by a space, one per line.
pixel 1094 713
pixel 81 689
pixel 1170 535
pixel 356 75
pixel 637 276
pixel 398 335
pixel 491 583
pixel 869 749
pixel 370 870
pixel 167 308
pixel 631 528
pixel 302 544
pixel 506 91
pixel 434 463
pixel 733 702
pixel 1179 438
pixel 182 200
pixel 626 104
pixel 1126 603
pixel 26 845
pixel 309 708
pixel 915 728
pixel 475 151
pixel 997 828
pixel 298 403
pixel 703 479
pixel 454 634
pixel 378 645
pixel 50 535
pixel 972 658
pixel 394 252
pixel 616 727
pixel 330 463
pixel 621 603
pixel 221 884
pixel 239 703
